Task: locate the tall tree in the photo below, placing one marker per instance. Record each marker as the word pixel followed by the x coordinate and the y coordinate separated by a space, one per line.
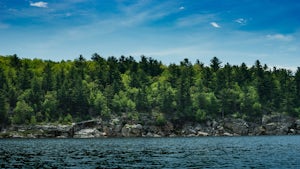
pixel 25 75
pixel 215 64
pixel 185 82
pixel 47 83
pixel 297 82
pixel 3 110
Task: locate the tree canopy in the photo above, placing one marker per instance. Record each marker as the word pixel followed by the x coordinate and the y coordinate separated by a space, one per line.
pixel 36 91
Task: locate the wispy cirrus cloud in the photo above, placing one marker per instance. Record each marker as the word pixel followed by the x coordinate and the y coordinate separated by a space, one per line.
pixel 193 20
pixel 144 12
pixel 39 4
pixel 241 21
pixel 214 24
pixel 279 37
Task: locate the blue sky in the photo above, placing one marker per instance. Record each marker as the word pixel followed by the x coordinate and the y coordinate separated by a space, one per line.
pixel 235 31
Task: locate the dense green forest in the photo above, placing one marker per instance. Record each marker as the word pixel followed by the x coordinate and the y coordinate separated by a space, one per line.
pixel 38 91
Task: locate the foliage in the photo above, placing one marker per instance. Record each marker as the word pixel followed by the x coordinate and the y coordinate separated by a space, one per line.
pixel 160 119
pixel 22 113
pixel 36 91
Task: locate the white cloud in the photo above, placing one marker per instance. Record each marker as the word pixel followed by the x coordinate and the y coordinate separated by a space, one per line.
pixel 140 12
pixel 194 20
pixel 280 37
pixel 241 21
pixel 39 4
pixel 181 8
pixel 214 24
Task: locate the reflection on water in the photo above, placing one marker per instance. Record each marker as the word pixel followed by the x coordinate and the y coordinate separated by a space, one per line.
pixel 204 152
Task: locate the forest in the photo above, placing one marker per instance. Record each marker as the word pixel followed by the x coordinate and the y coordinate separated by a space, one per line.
pixel 35 91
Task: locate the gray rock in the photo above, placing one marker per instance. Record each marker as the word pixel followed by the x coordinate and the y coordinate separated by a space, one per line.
pixel 297 123
pixel 215 124
pixel 88 133
pixel 237 126
pixel 173 135
pixel 149 134
pixel 277 118
pixel 227 134
pixel 192 131
pixel 156 135
pixel 201 133
pixel 134 130
pixel 191 135
pixel 279 124
pixel 16 135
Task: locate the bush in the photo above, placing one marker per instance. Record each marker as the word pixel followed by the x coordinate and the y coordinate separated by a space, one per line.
pixel 33 120
pixel 22 113
pixel 200 115
pixel 66 120
pixel 160 119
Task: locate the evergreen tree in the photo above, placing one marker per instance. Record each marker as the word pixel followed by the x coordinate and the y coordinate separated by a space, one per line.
pixel 33 91
pixel 47 83
pixel 3 110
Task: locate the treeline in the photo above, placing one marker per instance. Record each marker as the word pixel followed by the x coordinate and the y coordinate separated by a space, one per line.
pixel 38 91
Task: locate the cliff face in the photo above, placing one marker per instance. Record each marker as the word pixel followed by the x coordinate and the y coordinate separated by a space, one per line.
pixel 270 125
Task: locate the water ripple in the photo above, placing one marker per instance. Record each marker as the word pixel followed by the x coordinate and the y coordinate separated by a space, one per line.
pixel 208 152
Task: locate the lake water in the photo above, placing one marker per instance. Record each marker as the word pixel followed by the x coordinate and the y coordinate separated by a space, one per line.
pixel 200 152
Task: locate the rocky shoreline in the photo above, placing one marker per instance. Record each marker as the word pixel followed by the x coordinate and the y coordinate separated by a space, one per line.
pixel 269 125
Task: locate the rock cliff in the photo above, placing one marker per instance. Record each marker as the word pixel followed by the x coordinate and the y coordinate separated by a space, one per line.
pixel 116 127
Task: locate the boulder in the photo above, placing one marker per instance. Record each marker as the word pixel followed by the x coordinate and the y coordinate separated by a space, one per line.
pixel 237 126
pixel 191 135
pixel 149 134
pixel 16 135
pixel 88 133
pixel 201 133
pixel 276 129
pixel 297 124
pixel 53 131
pixel 278 118
pixel 173 135
pixel 227 134
pixel 157 135
pixel 134 130
pixel 279 125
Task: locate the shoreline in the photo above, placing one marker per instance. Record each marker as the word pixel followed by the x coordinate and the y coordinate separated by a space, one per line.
pixel 116 128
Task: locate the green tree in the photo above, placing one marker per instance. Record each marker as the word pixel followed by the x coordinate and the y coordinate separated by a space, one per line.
pixel 50 107
pixel 100 105
pixel 250 105
pixel 25 75
pixel 36 94
pixel 47 83
pixel 15 61
pixel 297 85
pixel 22 113
pixel 3 110
pixel 3 79
pixel 185 82
pixel 141 100
pixel 215 64
pixel 123 104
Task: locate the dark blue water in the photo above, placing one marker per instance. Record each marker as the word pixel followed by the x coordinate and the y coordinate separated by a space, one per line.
pixel 204 152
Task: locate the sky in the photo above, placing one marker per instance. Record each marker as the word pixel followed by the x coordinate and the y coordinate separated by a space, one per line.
pixel 235 31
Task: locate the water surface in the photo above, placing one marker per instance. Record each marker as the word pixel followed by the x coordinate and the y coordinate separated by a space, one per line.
pixel 200 152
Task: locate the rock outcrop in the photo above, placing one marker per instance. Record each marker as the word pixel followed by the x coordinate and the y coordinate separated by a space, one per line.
pixel 236 126
pixel 118 127
pixel 89 133
pixel 134 130
pixel 278 125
